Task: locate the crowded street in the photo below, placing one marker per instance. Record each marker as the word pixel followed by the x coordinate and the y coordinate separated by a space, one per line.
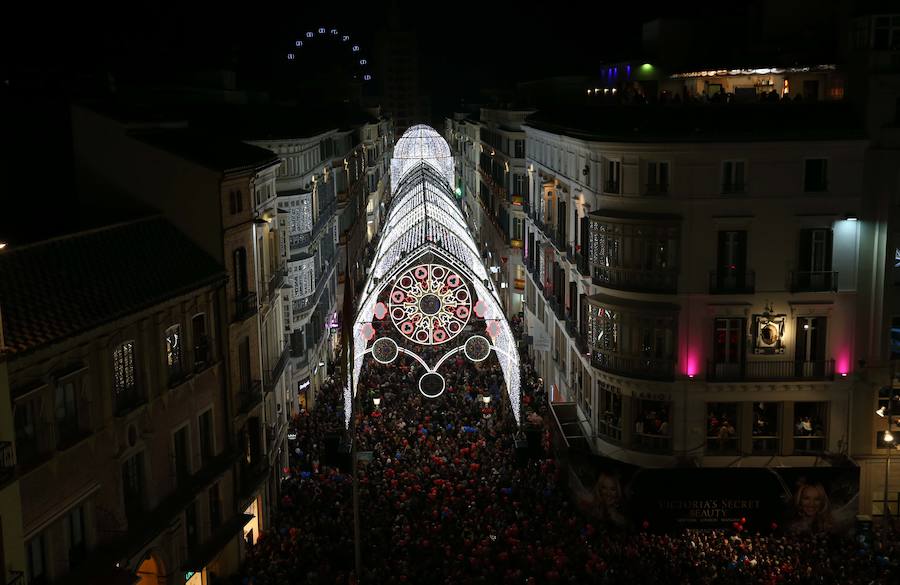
pixel 443 501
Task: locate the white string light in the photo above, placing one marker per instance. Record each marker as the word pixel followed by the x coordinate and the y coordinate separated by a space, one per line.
pixel 424 220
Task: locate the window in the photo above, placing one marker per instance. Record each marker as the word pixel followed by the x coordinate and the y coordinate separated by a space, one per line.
pixel 613 168
pixel 133 487
pixel 809 426
pixel 886 33
pixel 207 449
pixel 731 263
pixel 815 175
pixel 520 185
pixel 66 413
pixel 174 361
pixel 182 454
pixel 814 257
pixel 236 201
pixel 519 149
pixel 27 446
pixel 77 546
pixel 733 176
pixel 517 228
pixel 809 352
pixel 37 564
pixel 651 427
pixel 610 423
pixel 729 340
pixel 215 507
pixel 657 178
pixel 765 428
pixel 201 342
pixel 722 428
pixel 123 365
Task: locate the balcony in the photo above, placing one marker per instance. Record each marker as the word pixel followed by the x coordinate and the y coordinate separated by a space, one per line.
pixel 734 188
pixel 657 189
pixel 814 281
pixel 16 578
pixel 272 376
pixel 637 280
pixel 308 302
pixel 558 309
pixel 633 366
pixel 716 445
pixel 245 307
pixel 732 282
pixel 249 397
pixel 582 264
pixel 276 281
pixel 325 214
pixel 652 443
pixel 809 443
pixel 7 460
pixel 770 371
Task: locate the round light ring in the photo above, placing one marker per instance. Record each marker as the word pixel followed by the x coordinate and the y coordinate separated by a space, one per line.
pixel 384 350
pixel 431 385
pixel 434 299
pixel 477 348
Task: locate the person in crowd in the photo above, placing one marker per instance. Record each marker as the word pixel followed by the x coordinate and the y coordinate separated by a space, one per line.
pixel 443 500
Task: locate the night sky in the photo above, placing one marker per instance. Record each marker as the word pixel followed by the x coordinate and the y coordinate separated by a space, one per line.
pixel 471 43
pixel 54 55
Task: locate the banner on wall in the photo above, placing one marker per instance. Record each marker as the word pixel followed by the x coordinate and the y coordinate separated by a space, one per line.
pixel 783 499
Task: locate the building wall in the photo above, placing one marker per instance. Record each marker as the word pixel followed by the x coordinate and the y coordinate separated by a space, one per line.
pixel 772 209
pixel 11 540
pixel 86 469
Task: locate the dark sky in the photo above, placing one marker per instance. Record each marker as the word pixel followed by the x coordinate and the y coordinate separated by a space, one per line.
pixel 472 40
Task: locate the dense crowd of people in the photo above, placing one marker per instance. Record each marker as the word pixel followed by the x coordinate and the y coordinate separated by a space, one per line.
pixel 444 499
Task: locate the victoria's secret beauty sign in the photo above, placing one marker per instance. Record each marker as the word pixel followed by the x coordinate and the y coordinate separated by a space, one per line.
pixel 709 510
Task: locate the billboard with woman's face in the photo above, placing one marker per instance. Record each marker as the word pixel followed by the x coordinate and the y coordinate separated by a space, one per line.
pixel 816 500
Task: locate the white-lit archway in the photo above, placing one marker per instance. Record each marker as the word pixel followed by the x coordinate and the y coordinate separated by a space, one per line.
pixel 427 281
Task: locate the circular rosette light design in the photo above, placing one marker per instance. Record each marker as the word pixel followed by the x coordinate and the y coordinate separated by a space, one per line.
pixel 430 304
pixel 477 348
pixel 384 350
pixel 431 385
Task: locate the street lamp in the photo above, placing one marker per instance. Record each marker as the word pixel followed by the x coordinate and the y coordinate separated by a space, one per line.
pixel 486 399
pixel 377 402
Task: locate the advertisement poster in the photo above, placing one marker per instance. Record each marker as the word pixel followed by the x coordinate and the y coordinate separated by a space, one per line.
pixel 792 500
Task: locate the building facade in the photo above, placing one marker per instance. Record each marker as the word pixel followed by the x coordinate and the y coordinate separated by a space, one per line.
pixel 675 283
pixel 492 185
pixel 222 195
pixel 12 544
pixel 117 367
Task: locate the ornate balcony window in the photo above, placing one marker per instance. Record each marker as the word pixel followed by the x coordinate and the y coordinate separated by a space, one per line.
pixel 632 339
pixel 637 252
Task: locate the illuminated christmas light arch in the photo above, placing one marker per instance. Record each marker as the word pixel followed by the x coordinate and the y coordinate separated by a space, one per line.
pixel 424 260
pixel 421 144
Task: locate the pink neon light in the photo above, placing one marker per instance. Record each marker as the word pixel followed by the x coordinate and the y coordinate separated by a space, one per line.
pixel 842 364
pixel 692 365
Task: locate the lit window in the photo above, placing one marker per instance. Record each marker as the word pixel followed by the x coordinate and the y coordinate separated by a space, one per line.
pixel 174 360
pixel 123 367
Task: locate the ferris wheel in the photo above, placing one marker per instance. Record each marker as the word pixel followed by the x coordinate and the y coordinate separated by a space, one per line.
pixel 323 37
